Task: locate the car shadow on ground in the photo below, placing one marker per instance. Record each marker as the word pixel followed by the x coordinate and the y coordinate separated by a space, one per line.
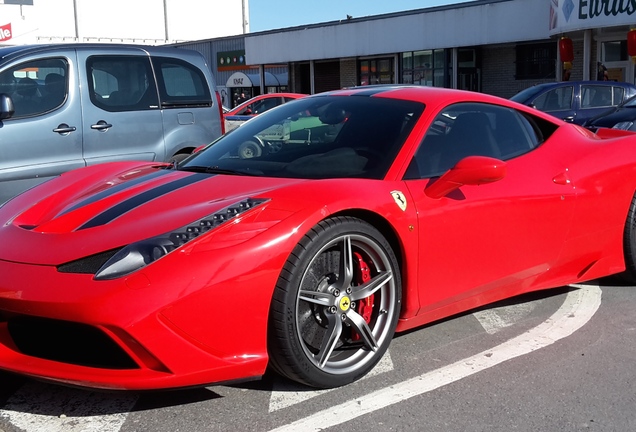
pixel 157 399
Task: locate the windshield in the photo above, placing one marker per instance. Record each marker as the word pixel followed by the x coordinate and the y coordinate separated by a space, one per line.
pixel 314 138
pixel 631 102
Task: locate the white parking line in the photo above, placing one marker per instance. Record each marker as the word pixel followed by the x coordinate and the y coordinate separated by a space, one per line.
pixel 495 319
pixel 38 407
pixel 285 395
pixel 577 309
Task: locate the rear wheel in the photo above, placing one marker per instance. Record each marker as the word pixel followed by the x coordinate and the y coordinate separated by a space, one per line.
pixel 336 304
pixel 629 243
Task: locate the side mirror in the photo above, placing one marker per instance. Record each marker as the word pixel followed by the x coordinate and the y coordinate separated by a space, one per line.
pixel 472 170
pixel 6 107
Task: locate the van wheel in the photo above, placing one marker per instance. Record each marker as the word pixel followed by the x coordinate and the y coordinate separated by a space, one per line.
pixel 176 159
pixel 250 149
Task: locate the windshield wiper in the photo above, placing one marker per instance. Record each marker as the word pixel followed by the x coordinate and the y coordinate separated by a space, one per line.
pixel 216 170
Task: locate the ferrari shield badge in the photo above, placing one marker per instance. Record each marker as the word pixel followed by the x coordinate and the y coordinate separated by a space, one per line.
pixel 400 199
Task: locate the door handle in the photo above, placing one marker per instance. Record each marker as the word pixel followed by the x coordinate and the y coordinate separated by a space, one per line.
pixel 101 125
pixel 562 178
pixel 569 119
pixel 63 128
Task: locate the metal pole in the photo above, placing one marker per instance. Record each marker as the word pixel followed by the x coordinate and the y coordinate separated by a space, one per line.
pixel 165 20
pixel 76 19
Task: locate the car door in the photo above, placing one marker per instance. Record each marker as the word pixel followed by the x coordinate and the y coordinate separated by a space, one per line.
pixel 559 101
pixel 596 99
pixel 122 117
pixel 507 233
pixel 44 136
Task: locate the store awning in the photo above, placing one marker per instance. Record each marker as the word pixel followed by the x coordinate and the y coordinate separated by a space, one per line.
pixel 241 79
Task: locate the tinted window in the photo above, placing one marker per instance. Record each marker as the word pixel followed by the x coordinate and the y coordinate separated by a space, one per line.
pixel 121 83
pixel 181 83
pixel 36 87
pixel 265 104
pixel 554 100
pixel 595 96
pixel 472 129
pixel 318 137
pixel 618 94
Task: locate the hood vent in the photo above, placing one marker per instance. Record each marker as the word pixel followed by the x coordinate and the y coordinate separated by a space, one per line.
pixel 88 265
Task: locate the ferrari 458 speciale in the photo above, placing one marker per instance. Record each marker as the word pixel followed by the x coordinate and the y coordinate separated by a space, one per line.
pixel 304 239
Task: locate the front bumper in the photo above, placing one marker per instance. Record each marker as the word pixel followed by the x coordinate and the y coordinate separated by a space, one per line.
pixel 148 331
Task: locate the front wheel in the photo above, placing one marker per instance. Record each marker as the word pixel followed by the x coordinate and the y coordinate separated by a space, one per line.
pixel 336 304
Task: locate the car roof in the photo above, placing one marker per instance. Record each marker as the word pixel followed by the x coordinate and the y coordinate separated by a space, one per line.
pixel 264 96
pixel 530 92
pixel 11 52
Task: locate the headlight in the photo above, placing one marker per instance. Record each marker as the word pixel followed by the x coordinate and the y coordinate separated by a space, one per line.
pixel 141 253
pixel 626 125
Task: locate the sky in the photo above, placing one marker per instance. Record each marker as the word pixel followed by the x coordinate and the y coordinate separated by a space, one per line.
pixel 276 14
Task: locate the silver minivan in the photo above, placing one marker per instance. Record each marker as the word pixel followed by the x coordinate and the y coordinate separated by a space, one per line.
pixel 66 106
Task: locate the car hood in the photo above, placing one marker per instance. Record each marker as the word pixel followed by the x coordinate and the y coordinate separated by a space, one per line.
pixel 95 209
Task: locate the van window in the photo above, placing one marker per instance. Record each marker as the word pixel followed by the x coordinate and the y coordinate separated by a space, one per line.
pixel 121 83
pixel 36 87
pixel 181 84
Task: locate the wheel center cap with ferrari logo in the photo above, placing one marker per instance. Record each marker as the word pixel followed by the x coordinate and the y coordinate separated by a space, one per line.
pixel 345 303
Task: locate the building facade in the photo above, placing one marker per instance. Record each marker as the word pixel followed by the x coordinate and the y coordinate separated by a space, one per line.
pixel 493 46
pixel 151 22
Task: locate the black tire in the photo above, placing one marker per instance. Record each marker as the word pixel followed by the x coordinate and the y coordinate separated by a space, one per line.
pixel 250 149
pixel 629 244
pixel 333 314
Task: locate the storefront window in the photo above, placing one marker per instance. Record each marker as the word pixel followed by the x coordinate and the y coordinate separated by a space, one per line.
pixel 615 51
pixel 376 71
pixel 535 61
pixel 427 67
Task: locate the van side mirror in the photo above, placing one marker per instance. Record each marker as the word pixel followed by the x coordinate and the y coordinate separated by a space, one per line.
pixel 6 106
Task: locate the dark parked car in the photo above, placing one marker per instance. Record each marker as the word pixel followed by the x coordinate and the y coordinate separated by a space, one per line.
pixel 576 101
pixel 622 117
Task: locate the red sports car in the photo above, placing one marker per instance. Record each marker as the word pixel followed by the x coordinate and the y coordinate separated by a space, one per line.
pixel 304 239
pixel 256 105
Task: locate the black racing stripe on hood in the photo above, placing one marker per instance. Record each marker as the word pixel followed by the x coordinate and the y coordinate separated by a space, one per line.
pixel 136 201
pixel 118 188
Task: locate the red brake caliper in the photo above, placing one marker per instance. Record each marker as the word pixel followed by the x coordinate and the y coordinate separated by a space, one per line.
pixel 364 306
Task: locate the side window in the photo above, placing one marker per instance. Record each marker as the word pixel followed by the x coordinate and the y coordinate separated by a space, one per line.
pixel 473 129
pixel 181 84
pixel 121 83
pixel 247 110
pixel 618 94
pixel 263 105
pixel 36 87
pixel 554 100
pixel 595 96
